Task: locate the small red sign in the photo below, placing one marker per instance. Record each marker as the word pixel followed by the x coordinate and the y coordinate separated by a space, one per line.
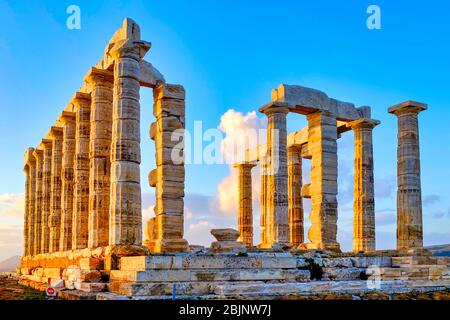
pixel 50 291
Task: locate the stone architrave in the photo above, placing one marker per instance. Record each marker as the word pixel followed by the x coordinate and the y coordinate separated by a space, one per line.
pixel 322 146
pixel 101 82
pixel 67 179
pixel 39 156
pixel 409 194
pixel 295 203
pixel 277 202
pixel 56 135
pixel 364 198
pixel 125 224
pixel 245 213
pixel 82 107
pixel 46 195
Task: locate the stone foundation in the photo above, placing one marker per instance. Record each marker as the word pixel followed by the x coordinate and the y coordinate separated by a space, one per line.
pixel 261 274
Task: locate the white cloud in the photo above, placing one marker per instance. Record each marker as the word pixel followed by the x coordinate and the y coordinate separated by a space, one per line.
pixel 241 132
pixel 12 205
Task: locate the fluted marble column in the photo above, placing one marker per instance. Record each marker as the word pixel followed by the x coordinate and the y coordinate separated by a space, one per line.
pixel 82 107
pixel 39 156
pixel 277 205
pixel 67 180
pixel 100 148
pixel 364 199
pixel 263 202
pixel 46 195
pixel 322 144
pixel 56 135
pixel 409 194
pixel 125 224
pixel 26 213
pixel 31 194
pixel 295 203
pixel 245 213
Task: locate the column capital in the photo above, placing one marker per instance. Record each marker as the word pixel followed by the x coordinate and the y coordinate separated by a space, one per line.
pixel 37 153
pixel 67 117
pixel 363 124
pixel 99 76
pixel 244 165
pixel 129 48
pixel 29 158
pixel 275 107
pixel 55 133
pixel 45 144
pixel 80 98
pixel 408 107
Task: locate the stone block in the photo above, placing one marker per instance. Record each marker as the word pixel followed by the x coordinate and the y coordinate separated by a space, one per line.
pixel 169 91
pixel 91 264
pixel 340 274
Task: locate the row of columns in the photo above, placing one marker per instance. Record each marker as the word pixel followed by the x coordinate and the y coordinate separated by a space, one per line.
pixel 281 186
pixel 281 203
pixel 83 180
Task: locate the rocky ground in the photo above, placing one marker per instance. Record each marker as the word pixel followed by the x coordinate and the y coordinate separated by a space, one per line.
pixel 11 290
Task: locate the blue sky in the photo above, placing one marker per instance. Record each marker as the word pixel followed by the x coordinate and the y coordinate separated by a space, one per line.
pixel 230 54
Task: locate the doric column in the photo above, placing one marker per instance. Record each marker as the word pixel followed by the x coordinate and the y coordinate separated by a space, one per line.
pixel 263 202
pixel 67 179
pixel 26 213
pixel 125 225
pixel 409 195
pixel 245 213
pixel 39 156
pixel 30 200
pixel 295 203
pixel 56 135
pixel 364 202
pixel 322 136
pixel 46 195
pixel 168 177
pixel 100 149
pixel 277 202
pixel 82 106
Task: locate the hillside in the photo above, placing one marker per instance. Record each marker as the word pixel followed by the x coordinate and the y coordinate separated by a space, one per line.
pixel 9 264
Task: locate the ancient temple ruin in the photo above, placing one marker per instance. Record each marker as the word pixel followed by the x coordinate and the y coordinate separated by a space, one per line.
pixel 83 216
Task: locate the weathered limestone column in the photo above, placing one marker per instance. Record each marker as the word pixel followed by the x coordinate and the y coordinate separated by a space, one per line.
pixel 364 202
pixel 46 195
pixel 39 156
pixel 56 135
pixel 263 202
pixel 125 225
pixel 100 148
pixel 27 211
pixel 67 179
pixel 245 214
pixel 277 202
pixel 322 145
pixel 82 107
pixel 31 195
pixel 295 203
pixel 409 196
pixel 169 175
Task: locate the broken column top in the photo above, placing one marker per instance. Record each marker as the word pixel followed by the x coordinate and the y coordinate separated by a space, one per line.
pixel 305 100
pixel 408 106
pixel 29 155
pixel 363 123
